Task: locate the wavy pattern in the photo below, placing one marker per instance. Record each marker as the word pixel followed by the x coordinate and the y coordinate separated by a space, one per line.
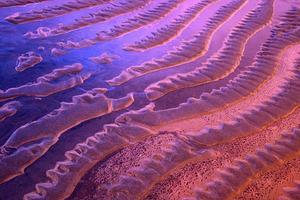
pixel 112 10
pixel 278 106
pixel 9 109
pixel 231 179
pixel 223 62
pixel 162 150
pixel 66 174
pixel 8 3
pixel 292 193
pixel 238 88
pixel 53 11
pixel 188 51
pixel 44 87
pixel 140 19
pixel 142 178
pixel 170 30
pixel 84 107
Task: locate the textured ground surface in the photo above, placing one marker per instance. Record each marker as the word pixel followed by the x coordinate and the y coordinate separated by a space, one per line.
pixel 153 99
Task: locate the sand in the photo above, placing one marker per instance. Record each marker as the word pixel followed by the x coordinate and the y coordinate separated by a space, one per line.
pixel 166 99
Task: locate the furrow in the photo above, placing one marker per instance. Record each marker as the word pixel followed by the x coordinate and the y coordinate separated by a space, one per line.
pixel 142 19
pixel 140 179
pixel 20 149
pixel 229 181
pixel 9 3
pixel 170 30
pixel 223 62
pixel 186 52
pixel 47 85
pixel 64 177
pixel 181 183
pixel 277 106
pixel 104 14
pixel 253 77
pixel 234 135
pixel 139 20
pixel 291 193
pixel 53 11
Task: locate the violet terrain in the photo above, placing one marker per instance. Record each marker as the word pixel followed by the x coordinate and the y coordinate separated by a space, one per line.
pixel 150 100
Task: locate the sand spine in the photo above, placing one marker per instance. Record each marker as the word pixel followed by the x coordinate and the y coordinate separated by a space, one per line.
pixel 186 52
pixel 44 85
pixel 170 30
pixel 141 19
pixel 102 15
pixel 229 181
pixel 66 174
pixel 141 179
pixel 17 150
pixel 255 75
pixel 291 193
pixel 53 11
pixel 223 62
pixel 10 3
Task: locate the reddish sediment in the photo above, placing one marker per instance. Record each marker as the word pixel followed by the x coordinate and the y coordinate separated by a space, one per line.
pixel 116 126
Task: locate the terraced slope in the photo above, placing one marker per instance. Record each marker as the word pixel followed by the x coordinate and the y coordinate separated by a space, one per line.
pixel 167 99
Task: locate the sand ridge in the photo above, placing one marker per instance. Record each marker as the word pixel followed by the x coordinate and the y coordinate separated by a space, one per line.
pixel 125 99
